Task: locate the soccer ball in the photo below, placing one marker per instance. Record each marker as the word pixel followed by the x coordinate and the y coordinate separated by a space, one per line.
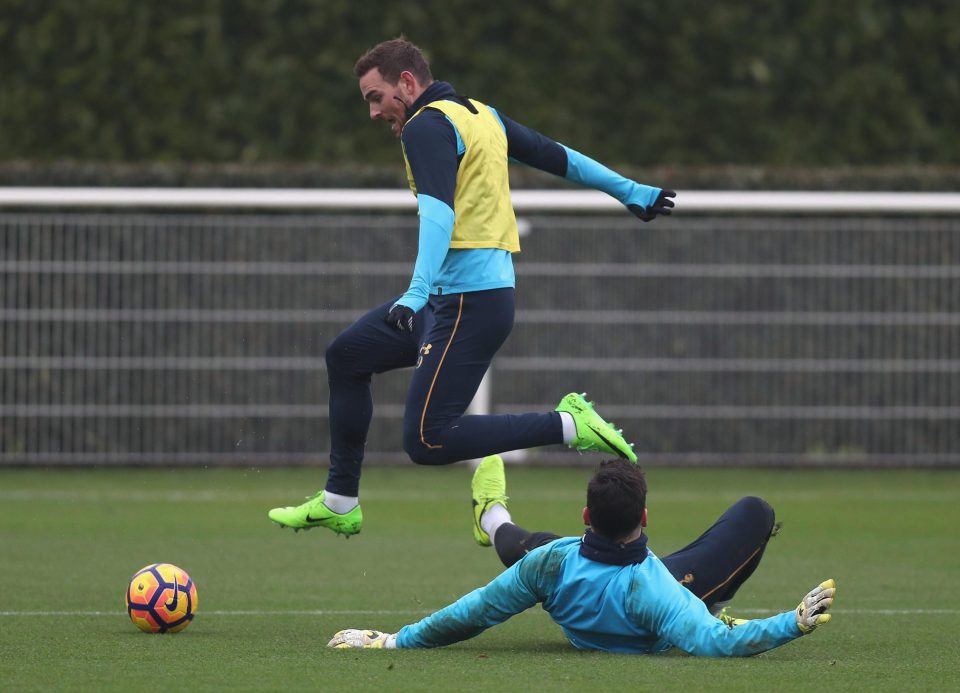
pixel 161 598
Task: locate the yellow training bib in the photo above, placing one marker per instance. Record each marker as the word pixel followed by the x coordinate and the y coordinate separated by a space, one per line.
pixel 483 211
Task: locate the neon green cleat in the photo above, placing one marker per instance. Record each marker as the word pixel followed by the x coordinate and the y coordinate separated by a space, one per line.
pixel 731 621
pixel 489 487
pixel 314 513
pixel 593 433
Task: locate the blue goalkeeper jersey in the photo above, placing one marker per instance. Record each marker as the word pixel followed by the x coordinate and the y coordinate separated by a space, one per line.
pixel 638 608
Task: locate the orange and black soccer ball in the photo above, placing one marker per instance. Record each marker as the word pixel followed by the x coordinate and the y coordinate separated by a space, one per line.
pixel 161 598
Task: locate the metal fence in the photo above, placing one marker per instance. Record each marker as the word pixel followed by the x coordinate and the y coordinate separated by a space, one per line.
pixel 718 336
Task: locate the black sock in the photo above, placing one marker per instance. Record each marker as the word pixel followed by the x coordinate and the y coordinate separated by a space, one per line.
pixel 513 542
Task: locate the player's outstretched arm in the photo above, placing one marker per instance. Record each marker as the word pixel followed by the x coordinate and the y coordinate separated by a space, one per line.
pixel 812 610
pixel 353 638
pixel 682 620
pixel 534 149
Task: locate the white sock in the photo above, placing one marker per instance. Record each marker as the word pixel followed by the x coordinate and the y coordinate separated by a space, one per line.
pixel 492 518
pixel 718 607
pixel 569 427
pixel 340 504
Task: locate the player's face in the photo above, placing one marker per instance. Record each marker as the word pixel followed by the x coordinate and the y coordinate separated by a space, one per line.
pixel 386 101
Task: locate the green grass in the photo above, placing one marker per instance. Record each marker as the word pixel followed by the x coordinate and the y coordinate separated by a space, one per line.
pixel 270 599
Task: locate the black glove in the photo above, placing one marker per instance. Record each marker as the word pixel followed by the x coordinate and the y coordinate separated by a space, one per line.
pixel 400 318
pixel 661 205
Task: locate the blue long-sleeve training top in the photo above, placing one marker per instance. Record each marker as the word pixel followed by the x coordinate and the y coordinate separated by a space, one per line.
pixel 434 149
pixel 637 608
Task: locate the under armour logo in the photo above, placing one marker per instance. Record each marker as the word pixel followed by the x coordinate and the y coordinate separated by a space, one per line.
pixel 424 351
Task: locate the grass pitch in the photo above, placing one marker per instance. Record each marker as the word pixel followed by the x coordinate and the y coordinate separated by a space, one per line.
pixel 270 599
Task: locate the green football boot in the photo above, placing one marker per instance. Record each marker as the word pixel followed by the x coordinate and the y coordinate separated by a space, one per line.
pixel 731 621
pixel 314 513
pixel 489 487
pixel 593 433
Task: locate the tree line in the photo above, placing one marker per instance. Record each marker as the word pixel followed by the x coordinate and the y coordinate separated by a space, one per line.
pixel 640 83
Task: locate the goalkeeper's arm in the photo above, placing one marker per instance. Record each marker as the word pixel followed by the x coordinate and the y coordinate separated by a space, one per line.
pixel 513 591
pixel 683 620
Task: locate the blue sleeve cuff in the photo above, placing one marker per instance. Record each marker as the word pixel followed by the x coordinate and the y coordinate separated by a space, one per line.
pixel 436 230
pixel 592 174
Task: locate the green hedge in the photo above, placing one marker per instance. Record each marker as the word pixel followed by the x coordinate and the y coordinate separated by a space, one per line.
pixel 642 83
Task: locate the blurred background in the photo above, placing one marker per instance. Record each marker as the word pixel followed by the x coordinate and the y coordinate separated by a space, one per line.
pixel 752 92
pixel 143 334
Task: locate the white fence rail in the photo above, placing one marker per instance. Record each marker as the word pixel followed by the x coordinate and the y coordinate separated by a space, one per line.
pixel 188 326
pixel 523 200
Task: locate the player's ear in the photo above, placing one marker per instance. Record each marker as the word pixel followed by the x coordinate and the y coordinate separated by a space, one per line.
pixel 407 81
pixel 586 516
pixel 643 518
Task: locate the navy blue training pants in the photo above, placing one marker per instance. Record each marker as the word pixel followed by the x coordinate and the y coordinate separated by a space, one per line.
pixel 455 338
pixel 712 567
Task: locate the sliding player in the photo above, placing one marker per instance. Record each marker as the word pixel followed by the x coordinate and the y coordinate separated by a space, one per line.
pixel 607 590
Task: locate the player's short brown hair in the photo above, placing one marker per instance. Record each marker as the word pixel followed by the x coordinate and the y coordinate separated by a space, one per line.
pixel 616 499
pixel 393 57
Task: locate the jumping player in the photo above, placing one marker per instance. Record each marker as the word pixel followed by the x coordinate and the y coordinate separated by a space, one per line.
pixel 459 306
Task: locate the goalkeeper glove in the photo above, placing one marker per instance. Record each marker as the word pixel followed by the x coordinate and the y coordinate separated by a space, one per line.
pixel 400 318
pixel 812 610
pixel 363 639
pixel 662 205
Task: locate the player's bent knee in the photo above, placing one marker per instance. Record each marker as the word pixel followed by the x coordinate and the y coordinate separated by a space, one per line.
pixel 344 362
pixel 423 453
pixel 420 454
pixel 336 354
pixel 423 446
pixel 758 510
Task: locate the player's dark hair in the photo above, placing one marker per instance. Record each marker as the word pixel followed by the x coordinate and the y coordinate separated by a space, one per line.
pixel 393 57
pixel 616 499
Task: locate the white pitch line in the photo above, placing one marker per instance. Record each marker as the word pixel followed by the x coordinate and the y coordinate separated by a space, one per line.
pixel 414 612
pixel 264 612
pixel 212 496
pixel 865 612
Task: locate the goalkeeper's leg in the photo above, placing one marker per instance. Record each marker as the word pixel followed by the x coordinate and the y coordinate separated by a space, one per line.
pixel 513 542
pixel 492 523
pixel 715 565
